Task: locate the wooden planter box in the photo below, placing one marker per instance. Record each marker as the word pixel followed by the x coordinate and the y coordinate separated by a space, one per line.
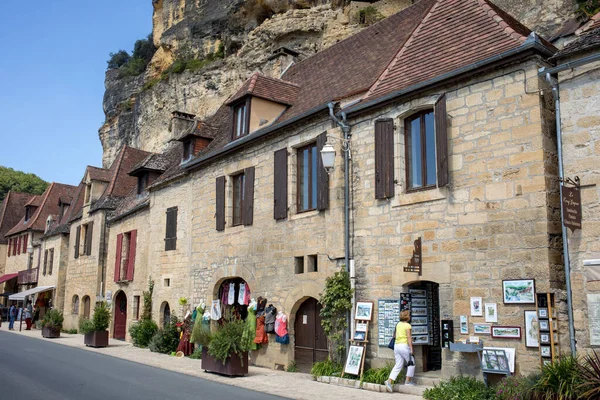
pixel 233 366
pixel 50 333
pixel 96 339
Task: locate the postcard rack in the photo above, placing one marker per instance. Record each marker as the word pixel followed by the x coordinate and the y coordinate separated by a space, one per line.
pixel 547 328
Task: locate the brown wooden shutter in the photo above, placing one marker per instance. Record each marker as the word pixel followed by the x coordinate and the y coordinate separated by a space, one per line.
pixel 88 240
pixel 131 260
pixel 248 205
pixel 384 158
pixel 9 246
pixel 220 202
pixel 45 261
pixel 51 262
pixel 322 176
pixel 280 184
pixel 77 241
pixel 25 237
pixel 118 256
pixel 171 235
pixel 19 240
pixel 441 137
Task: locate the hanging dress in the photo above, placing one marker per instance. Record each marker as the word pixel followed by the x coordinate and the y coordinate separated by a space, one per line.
pixel 185 344
pixel 250 330
pixel 261 335
pixel 242 294
pixel 231 294
pixel 281 331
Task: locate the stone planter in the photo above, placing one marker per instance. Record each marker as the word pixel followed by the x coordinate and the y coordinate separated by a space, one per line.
pixel 51 333
pixel 234 365
pixel 96 339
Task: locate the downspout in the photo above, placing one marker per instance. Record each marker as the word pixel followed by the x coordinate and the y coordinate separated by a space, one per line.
pixel 347 135
pixel 555 91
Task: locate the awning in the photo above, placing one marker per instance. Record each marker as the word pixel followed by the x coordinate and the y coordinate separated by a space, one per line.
pixel 8 277
pixel 22 295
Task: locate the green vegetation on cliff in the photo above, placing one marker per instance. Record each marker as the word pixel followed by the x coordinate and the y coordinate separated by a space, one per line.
pixel 588 8
pixel 133 65
pixel 19 181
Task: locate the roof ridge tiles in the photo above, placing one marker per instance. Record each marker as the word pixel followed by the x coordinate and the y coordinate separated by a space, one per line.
pixel 492 11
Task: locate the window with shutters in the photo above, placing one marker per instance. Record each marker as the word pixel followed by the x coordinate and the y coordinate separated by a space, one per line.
pixel 136 307
pixel 77 241
pixel 45 262
pixel 307 177
pixel 87 231
pixel 171 229
pixel 241 119
pixel 125 256
pixel 239 182
pixel 50 261
pixel 420 151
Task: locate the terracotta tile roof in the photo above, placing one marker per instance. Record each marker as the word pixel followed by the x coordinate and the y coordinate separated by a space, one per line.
pixel 454 34
pixel 98 174
pixel 63 226
pixel 35 201
pixel 276 90
pixel 154 162
pixel 48 206
pixel 12 209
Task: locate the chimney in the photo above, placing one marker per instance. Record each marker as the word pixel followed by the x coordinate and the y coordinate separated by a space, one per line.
pixel 279 61
pixel 181 122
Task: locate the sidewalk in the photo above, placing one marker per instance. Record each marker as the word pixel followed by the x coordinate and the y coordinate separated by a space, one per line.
pixel 280 383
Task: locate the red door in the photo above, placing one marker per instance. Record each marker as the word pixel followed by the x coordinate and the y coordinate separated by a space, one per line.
pixel 310 340
pixel 120 316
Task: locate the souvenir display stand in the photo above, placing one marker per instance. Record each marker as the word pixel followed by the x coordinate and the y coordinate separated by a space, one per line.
pixel 547 328
pixel 362 343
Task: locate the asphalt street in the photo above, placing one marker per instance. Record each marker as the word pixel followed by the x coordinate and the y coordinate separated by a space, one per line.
pixel 32 369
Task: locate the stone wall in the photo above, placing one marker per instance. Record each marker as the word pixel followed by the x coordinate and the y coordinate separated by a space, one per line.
pixel 3 251
pixel 139 222
pixel 580 102
pixel 60 244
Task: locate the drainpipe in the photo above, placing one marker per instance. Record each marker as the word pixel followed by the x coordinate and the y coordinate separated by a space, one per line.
pixel 555 91
pixel 346 146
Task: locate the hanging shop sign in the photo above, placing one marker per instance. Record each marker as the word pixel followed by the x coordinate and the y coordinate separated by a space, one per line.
pixel 571 202
pixel 416 262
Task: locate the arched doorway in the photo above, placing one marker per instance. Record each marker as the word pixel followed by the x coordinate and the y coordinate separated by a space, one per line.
pixel 425 314
pixel 165 314
pixel 310 340
pixel 120 325
pixel 86 306
pixel 234 296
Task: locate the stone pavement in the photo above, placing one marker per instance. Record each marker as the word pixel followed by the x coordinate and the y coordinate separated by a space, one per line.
pixel 287 384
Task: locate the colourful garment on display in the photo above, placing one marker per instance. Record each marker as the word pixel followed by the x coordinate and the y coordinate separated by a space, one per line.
pixel 244 294
pixel 225 294
pixel 261 335
pixel 270 313
pixel 185 344
pixel 250 331
pixel 215 310
pixel 281 329
pixel 231 294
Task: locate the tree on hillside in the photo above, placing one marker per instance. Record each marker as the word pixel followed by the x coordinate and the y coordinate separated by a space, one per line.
pixel 19 181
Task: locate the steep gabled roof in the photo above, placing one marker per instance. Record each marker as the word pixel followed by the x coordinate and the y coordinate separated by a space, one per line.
pixel 48 206
pixel 63 225
pixel 12 209
pixel 154 162
pixel 98 174
pixel 276 90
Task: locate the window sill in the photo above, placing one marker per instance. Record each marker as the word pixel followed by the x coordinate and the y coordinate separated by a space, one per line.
pixel 420 196
pixel 304 214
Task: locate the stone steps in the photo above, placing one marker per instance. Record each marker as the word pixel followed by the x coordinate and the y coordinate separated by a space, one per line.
pixel 413 390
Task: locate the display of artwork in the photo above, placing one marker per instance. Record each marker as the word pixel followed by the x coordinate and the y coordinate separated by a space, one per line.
pixel 545 338
pixel 545 351
pixel 518 291
pixel 447 332
pixel 506 332
pixel 494 361
pixel 419 330
pixel 491 312
pixel 418 293
pixel 464 325
pixel 419 302
pixel 364 310
pixel 476 307
pixel 420 339
pixel 361 326
pixel 419 312
pixel 510 354
pixel 531 329
pixel 418 321
pixel 543 312
pixel 359 336
pixel 388 316
pixel 544 325
pixel 482 329
pixel 354 360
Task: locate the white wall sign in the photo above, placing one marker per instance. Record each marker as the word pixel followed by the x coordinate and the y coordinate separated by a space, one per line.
pixel 593 301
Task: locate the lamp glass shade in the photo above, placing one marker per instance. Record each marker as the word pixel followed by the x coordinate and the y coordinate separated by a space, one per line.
pixel 328 156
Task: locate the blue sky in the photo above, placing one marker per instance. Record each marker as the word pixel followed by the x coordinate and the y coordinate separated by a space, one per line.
pixel 52 66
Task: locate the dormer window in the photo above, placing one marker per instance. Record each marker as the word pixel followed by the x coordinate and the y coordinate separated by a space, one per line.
pixel 188 149
pixel 142 183
pixel 241 118
pixel 88 193
pixel 27 213
pixel 64 207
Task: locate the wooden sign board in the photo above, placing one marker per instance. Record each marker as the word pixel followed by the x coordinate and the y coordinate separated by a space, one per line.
pixel 571 201
pixel 416 262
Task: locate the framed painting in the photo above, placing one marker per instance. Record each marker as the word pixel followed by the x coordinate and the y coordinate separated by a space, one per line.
pixel 418 321
pixel 531 329
pixel 418 292
pixel 491 312
pixel 464 325
pixel 482 329
pixel 359 336
pixel 420 339
pixel 419 302
pixel 354 360
pixel 419 330
pixel 476 307
pixel 418 312
pixel 364 311
pixel 506 332
pixel 544 326
pixel 518 291
pixel 545 350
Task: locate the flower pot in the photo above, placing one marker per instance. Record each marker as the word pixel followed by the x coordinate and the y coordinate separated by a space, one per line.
pixel 232 367
pixel 96 339
pixel 50 332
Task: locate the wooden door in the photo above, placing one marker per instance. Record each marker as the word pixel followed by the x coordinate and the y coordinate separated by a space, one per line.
pixel 310 339
pixel 120 325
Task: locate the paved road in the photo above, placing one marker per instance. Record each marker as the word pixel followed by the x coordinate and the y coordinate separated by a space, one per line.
pixel 32 369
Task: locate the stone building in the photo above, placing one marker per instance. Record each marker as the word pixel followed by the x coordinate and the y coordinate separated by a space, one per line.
pixel 451 142
pixel 578 85
pixel 103 189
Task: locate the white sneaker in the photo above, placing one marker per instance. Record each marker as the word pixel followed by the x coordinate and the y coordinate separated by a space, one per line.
pixel 411 383
pixel 388 387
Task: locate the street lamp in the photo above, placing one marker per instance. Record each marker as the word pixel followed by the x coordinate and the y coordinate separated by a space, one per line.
pixel 328 157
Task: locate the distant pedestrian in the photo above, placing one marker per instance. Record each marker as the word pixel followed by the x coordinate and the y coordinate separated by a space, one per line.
pixel 12 314
pixel 28 315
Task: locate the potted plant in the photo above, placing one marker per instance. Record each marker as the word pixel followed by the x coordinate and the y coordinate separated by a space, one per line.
pixel 95 330
pixel 52 323
pixel 225 351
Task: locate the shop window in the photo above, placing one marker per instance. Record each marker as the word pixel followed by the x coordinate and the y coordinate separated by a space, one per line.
pixel 312 264
pixel 136 307
pixel 75 305
pixel 298 265
pixel 307 177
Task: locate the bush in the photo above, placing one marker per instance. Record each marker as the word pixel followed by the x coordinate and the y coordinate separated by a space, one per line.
pixel 516 387
pixel 197 354
pixel 165 340
pixel 53 319
pixel 337 302
pixel 228 339
pixel 134 67
pixel 86 325
pixel 292 367
pixel 459 387
pixel 70 331
pixel 369 15
pixel 118 59
pixel 590 372
pixel 101 318
pixel 560 380
pixel 144 49
pixel 326 368
pixel 380 375
pixel 142 332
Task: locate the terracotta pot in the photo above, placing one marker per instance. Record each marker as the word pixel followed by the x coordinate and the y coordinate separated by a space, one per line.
pixel 232 367
pixel 50 332
pixel 96 339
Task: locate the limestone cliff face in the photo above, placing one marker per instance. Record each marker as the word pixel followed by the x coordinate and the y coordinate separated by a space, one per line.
pixel 138 109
